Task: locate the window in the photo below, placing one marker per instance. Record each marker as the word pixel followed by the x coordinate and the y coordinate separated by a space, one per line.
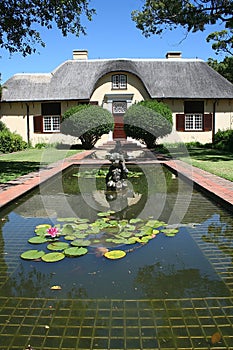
pixel 51 123
pixel 193 121
pixel 50 118
pixel 194 118
pixel 119 81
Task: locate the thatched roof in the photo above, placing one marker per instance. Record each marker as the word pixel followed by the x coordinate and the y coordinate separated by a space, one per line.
pixel 162 78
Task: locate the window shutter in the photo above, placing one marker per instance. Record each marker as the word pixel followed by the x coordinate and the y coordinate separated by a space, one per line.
pixel 180 120
pixel 38 123
pixel 208 122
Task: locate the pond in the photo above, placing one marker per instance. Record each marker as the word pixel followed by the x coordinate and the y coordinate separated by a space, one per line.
pixel 177 247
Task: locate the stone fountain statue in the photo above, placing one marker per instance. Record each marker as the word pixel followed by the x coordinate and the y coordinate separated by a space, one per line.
pixel 117 173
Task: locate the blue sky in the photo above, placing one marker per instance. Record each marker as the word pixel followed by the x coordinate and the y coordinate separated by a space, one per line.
pixel 111 34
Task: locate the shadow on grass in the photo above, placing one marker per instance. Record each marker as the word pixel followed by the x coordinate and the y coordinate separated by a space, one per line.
pixel 210 155
pixel 10 170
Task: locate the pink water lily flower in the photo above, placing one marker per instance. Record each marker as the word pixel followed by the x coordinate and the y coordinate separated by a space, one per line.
pixel 53 231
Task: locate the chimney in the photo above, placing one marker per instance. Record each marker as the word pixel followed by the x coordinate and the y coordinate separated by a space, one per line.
pixel 80 54
pixel 172 55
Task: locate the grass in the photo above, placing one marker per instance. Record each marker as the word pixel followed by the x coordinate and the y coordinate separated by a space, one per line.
pixel 214 161
pixel 13 165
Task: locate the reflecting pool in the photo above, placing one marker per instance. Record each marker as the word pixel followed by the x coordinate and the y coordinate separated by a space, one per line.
pixel 168 292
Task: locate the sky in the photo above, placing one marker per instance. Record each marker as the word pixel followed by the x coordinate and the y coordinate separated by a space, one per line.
pixel 111 34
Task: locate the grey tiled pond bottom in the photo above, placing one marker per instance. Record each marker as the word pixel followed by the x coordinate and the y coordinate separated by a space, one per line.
pixel 171 294
pixel 115 324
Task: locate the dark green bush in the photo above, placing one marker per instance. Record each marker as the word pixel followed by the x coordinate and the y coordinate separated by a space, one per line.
pixel 2 126
pixel 147 121
pixel 223 140
pixel 88 123
pixel 11 142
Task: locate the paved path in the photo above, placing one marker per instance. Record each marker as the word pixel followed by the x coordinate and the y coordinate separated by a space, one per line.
pixel 219 188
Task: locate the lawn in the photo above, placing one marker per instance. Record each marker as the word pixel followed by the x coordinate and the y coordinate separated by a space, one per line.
pixel 211 160
pixel 13 165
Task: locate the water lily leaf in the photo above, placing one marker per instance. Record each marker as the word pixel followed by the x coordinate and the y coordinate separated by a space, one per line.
pixel 67 219
pixel 145 231
pixel 42 231
pixel 75 251
pixel 154 223
pixel 155 232
pixel 81 242
pixel 67 229
pixel 123 222
pixel 53 257
pixel 80 235
pixel 69 237
pixel 82 226
pixel 125 234
pixel 32 254
pixel 37 240
pixel 45 226
pixel 132 240
pixel 130 228
pixel 82 221
pixel 170 232
pixel 135 221
pixel 58 246
pixel 145 239
pixel 115 254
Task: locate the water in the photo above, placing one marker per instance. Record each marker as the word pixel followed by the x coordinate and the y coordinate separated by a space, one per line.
pixel 165 267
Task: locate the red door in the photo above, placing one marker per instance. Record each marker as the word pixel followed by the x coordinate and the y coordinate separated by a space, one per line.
pixel 118 110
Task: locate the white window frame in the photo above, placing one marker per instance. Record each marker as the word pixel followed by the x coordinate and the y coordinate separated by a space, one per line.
pixel 53 123
pixel 119 81
pixel 194 122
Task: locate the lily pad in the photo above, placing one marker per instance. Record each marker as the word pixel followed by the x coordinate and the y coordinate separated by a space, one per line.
pixel 170 232
pixel 58 246
pixel 82 226
pixel 46 226
pixel 81 243
pixel 53 257
pixel 135 221
pixel 69 237
pixel 32 254
pixel 75 251
pixel 37 240
pixel 115 254
pixel 67 229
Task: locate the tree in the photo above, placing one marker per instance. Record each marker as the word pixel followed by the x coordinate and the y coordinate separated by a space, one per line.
pixel 157 16
pixel 88 123
pixel 148 120
pixel 225 68
pixel 20 20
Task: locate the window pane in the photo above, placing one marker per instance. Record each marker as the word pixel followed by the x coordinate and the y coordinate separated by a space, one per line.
pixel 52 108
pixel 115 81
pixel 188 122
pixel 47 123
pixel 56 123
pixel 122 81
pixel 198 122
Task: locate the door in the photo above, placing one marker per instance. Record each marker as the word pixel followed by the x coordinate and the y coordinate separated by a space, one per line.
pixel 118 110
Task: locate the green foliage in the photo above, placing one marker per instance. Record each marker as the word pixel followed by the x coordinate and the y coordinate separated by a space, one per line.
pixel 2 126
pixel 158 16
pixel 88 123
pixel 148 120
pixel 225 68
pixel 223 140
pixel 11 142
pixel 20 20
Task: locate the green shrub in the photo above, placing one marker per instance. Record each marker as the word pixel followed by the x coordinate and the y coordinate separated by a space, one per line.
pixel 3 126
pixel 147 121
pixel 11 142
pixel 88 123
pixel 223 140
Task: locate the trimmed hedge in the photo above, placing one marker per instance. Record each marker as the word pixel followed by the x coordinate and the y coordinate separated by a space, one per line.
pixel 88 123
